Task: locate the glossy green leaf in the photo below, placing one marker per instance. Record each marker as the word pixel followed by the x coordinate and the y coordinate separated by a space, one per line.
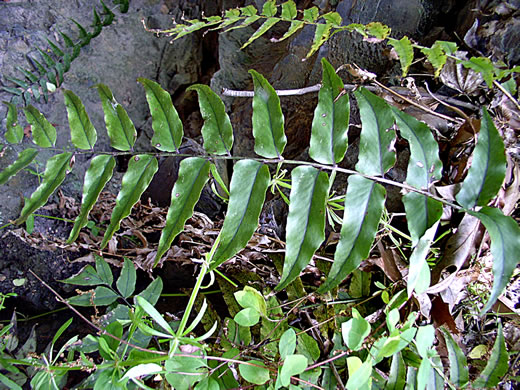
pixel 505 247
pixel 142 370
pixel 421 213
pixel 270 22
pixel 308 347
pixel 289 10
pixel 359 373
pixel 98 174
pixel 497 365
pixel 9 383
pixel 436 56
pixel 311 14
pixel 292 365
pixel 25 157
pixel 459 374
pixel 377 30
pixel 397 376
pixel 484 66
pixel 104 271
pixel 217 130
pixel 55 171
pixel 295 26
pixel 120 128
pixel 126 282
pixel 404 50
pixel 141 169
pixel 247 194
pixel 247 317
pixel 488 167
pixel 419 277
pixel 424 373
pixel 43 133
pixel 355 330
pixel 256 374
pixel 193 175
pixel 182 372
pixel 268 121
pixel 82 132
pixel 101 296
pixel 14 133
pixel 376 153
pixel 269 8
pixel 153 291
pixel 321 35
pixel 329 138
pixel 424 166
pixel 287 344
pixel 363 209
pixel 305 221
pixel 249 297
pixel 167 125
pixel 88 276
pixel 424 339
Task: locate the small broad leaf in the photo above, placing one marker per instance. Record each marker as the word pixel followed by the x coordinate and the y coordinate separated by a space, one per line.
pixel 86 277
pixel 321 35
pixel 256 373
pixel 141 169
pixel 459 374
pixel 419 277
pixel 270 22
pixel 422 212
pixel 377 30
pixel 217 130
pixel 14 133
pixel 363 209
pixel 484 66
pixel 120 128
pixel 167 125
pixel 497 365
pixel 153 291
pixel 404 50
pixel 289 10
pixel 355 330
pixel 292 365
pixel 269 8
pixel 305 221
pixel 104 271
pixel 308 347
pixel 55 171
pixel 424 166
pixel 101 296
pixel 126 282
pixel 359 373
pixel 488 167
pixel 311 14
pixel 247 194
pixel 193 175
pixel 397 376
pixel 156 316
pixel 182 372
pixel 249 297
pixel 247 317
pixel 142 370
pixel 82 133
pixel 329 138
pixel 43 133
pixel 505 247
pixel 287 344
pixel 424 340
pixel 436 56
pixel 268 122
pixel 98 174
pixel 25 157
pixel 376 154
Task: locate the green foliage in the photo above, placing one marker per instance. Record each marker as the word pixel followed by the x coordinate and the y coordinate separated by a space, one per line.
pixel 43 79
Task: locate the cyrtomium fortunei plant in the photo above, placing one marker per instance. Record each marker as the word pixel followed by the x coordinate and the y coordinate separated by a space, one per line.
pixel 311 183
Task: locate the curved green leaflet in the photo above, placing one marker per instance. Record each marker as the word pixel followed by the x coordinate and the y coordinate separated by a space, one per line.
pixel 363 209
pixel 141 169
pixel 329 138
pixel 305 221
pixel 321 35
pixel 488 167
pixel 55 171
pixel 459 374
pixel 505 247
pixel 419 276
pixel 270 22
pixel 120 128
pixel 397 376
pixel 43 133
pixel 193 175
pixel 376 154
pixel 217 130
pixel 247 194
pixel 497 365
pixel 436 56
pixel 14 133
pixel 82 133
pixel 421 213
pixel 24 158
pixel 289 10
pixel 98 174
pixel 404 50
pixel 126 282
pixel 166 124
pixel 295 26
pixel 268 121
